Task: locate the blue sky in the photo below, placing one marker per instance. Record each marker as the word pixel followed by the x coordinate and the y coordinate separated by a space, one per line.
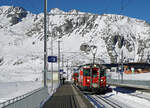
pixel 133 8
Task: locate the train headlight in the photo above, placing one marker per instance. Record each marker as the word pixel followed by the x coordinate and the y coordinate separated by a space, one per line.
pixel 95 85
pixel 101 80
pixel 88 80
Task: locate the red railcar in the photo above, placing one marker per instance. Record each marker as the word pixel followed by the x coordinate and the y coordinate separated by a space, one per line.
pixel 92 77
pixel 75 77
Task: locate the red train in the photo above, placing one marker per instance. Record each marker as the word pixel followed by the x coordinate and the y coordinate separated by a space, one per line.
pixel 91 77
pixel 75 77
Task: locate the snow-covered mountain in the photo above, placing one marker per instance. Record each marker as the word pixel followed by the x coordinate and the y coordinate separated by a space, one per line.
pixel 21 39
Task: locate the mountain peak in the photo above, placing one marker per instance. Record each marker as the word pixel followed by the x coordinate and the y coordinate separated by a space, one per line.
pixel 12 14
pixel 11 9
pixel 74 11
pixel 56 11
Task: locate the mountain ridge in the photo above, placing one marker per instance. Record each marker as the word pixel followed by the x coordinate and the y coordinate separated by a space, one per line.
pixel 22 45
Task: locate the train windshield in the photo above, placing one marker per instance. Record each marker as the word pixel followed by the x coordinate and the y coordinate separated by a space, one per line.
pixel 94 72
pixel 102 72
pixel 86 72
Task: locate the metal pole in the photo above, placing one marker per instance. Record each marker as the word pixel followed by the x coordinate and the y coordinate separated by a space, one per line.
pixel 62 61
pixel 52 62
pixel 59 61
pixel 67 69
pixel 94 58
pixel 45 42
pixel 122 65
pixel 62 74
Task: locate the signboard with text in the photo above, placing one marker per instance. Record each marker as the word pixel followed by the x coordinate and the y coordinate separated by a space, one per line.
pixel 52 59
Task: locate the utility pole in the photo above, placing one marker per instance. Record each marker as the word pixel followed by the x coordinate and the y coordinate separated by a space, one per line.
pixel 62 61
pixel 67 69
pixel 62 66
pixel 122 66
pixel 94 58
pixel 59 60
pixel 52 62
pixel 148 57
pixel 45 42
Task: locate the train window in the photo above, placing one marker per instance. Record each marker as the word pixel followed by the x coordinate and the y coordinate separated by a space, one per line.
pixel 94 73
pixel 102 72
pixel 86 72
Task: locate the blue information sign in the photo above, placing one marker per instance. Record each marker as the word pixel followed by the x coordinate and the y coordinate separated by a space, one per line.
pixel 75 70
pixel 52 58
pixel 61 70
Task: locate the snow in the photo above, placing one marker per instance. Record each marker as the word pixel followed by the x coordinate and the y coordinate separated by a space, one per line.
pixel 23 42
pixel 126 99
pixel 10 90
pixel 141 76
pixel 21 46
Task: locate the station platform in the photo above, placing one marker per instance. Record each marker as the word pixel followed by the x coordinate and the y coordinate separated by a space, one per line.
pixel 67 96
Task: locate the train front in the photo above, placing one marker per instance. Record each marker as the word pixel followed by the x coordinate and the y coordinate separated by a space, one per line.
pixel 93 78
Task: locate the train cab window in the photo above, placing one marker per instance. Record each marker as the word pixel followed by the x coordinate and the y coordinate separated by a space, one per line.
pixel 94 73
pixel 86 72
pixel 102 73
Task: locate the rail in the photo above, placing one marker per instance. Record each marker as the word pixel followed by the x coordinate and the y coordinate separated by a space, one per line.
pixel 32 99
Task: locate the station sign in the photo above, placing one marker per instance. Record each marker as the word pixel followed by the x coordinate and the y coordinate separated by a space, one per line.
pixel 52 59
pixel 75 70
pixel 61 70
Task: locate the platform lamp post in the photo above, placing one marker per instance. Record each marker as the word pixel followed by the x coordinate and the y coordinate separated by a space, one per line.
pixel 93 49
pixel 59 75
pixel 45 42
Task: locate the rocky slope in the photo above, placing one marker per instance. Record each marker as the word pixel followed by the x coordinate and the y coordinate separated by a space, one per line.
pixel 21 40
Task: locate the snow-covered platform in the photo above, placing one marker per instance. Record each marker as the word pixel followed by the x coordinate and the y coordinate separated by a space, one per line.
pixel 139 81
pixel 67 96
pixel 130 83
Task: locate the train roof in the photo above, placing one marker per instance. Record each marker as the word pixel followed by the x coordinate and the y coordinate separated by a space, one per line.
pixel 96 65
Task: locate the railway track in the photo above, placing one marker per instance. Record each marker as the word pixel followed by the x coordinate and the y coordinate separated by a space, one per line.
pixel 99 101
pixel 141 96
pixel 73 102
pixel 139 93
pixel 104 102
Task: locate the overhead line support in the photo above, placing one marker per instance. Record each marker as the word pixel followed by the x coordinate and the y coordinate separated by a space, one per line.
pixel 45 42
